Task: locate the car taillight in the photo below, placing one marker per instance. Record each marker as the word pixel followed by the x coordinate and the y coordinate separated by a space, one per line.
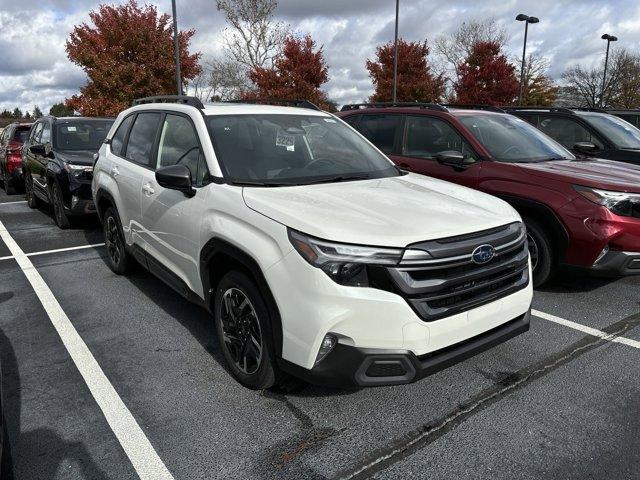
pixel 13 147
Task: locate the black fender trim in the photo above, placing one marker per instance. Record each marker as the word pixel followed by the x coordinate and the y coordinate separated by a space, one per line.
pixel 218 246
pixel 102 194
pixel 544 214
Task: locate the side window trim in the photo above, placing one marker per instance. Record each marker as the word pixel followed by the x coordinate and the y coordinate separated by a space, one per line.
pixel 403 150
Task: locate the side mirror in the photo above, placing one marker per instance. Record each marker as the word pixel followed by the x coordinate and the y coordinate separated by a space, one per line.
pixel 38 149
pixel 176 177
pixel 585 147
pixel 452 158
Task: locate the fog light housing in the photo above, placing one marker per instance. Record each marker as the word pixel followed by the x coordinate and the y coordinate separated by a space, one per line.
pixel 328 342
pixel 74 201
pixel 604 251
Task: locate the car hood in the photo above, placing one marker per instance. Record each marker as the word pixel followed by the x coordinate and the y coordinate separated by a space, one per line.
pixel 597 173
pixel 76 157
pixel 394 211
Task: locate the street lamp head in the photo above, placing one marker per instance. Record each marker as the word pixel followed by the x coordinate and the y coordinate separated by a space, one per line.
pixel 533 20
pixel 609 38
pixel 522 17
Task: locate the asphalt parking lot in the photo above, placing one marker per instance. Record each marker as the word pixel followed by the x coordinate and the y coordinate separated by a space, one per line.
pixel 561 401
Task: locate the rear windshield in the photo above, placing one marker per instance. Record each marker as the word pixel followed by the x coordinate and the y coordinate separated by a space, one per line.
pixel 511 139
pixel 278 150
pixel 80 134
pixel 619 131
pixel 21 134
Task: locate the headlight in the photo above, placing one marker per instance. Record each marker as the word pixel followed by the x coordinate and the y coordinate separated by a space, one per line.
pixel 346 264
pixel 78 170
pixel 620 203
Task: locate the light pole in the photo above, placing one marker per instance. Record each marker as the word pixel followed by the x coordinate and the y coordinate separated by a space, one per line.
pixel 176 47
pixel 609 39
pixel 527 20
pixel 395 56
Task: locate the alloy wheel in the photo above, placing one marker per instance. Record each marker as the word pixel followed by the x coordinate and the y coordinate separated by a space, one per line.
pixel 57 204
pixel 113 241
pixel 241 330
pixel 533 251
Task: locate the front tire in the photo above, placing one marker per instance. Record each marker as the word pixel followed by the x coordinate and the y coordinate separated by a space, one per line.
pixel 541 252
pixel 243 325
pixel 120 261
pixel 61 218
pixel 8 188
pixel 32 201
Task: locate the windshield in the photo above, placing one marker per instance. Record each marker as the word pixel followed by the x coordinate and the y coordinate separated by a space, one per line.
pixel 82 134
pixel 293 150
pixel 21 134
pixel 510 139
pixel 620 132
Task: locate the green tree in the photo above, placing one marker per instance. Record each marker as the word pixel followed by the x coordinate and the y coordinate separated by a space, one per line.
pixel 61 110
pixel 17 113
pixel 37 113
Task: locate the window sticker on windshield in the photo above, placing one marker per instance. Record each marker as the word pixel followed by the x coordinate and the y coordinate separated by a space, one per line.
pixel 283 140
pixel 329 120
pixel 71 129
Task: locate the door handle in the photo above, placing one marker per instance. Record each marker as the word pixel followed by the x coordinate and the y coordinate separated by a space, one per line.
pixel 148 189
pixel 115 172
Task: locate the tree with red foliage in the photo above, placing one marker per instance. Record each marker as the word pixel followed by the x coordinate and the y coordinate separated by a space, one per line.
pixel 486 77
pixel 416 82
pixel 297 74
pixel 128 53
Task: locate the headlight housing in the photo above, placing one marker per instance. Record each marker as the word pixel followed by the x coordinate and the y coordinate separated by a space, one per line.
pixel 621 203
pixel 79 171
pixel 344 263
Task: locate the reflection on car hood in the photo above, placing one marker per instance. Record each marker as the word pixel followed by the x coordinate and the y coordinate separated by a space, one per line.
pixel 77 157
pixel 598 173
pixel 392 211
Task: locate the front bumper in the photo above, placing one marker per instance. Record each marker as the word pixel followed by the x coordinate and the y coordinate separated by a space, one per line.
pixel 349 366
pixel 617 263
pixel 79 201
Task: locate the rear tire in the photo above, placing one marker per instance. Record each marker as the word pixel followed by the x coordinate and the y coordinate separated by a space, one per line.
pixel 120 261
pixel 61 218
pixel 6 463
pixel 243 325
pixel 32 201
pixel 541 252
pixel 8 188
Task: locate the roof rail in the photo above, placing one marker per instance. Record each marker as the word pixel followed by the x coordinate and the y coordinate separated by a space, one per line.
pixel 184 99
pixel 473 106
pixel 511 108
pixel 357 106
pixel 278 101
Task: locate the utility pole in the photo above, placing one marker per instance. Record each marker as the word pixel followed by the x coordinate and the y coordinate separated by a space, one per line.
pixel 176 46
pixel 395 56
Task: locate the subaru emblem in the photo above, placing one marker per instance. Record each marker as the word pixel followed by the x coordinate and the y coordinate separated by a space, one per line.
pixel 483 254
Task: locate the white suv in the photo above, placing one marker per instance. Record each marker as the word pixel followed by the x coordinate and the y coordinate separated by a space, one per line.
pixel 315 255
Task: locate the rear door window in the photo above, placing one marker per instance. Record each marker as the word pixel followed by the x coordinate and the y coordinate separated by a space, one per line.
pixel 566 131
pixel 142 138
pixel 117 142
pixel 37 131
pixel 381 130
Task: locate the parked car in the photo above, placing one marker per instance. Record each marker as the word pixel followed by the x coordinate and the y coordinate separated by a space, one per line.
pixel 580 213
pixel 58 158
pixel 11 140
pixel 586 132
pixel 631 115
pixel 315 255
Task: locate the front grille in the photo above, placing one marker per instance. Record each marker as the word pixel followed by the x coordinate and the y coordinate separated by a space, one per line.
pixel 450 282
pixel 386 368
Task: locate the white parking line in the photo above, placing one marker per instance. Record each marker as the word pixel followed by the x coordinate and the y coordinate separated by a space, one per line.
pixel 583 328
pixel 57 250
pixel 136 445
pixel 17 201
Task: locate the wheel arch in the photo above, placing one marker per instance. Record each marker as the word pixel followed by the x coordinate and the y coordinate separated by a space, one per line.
pixel 103 200
pixel 218 257
pixel 547 218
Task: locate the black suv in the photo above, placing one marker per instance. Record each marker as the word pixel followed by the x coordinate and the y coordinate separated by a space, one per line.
pixel 586 132
pixel 11 140
pixel 57 161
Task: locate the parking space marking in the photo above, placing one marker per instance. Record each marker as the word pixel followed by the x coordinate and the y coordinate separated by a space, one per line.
pixel 17 201
pixel 136 445
pixel 57 250
pixel 583 328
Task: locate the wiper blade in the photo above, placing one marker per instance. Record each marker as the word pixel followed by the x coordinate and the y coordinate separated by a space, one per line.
pixel 338 178
pixel 252 183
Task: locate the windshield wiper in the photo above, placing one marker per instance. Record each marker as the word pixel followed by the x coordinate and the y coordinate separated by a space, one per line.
pixel 256 183
pixel 338 178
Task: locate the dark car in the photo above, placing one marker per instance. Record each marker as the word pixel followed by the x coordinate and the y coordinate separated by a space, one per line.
pixel 57 161
pixel 579 212
pixel 630 115
pixel 586 132
pixel 11 141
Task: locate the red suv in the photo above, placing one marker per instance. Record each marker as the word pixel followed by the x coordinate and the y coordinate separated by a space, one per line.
pixel 579 212
pixel 11 140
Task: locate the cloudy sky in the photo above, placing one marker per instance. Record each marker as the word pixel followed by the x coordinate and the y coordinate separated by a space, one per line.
pixel 34 69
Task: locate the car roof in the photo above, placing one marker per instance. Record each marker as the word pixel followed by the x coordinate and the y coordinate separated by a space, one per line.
pixel 224 108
